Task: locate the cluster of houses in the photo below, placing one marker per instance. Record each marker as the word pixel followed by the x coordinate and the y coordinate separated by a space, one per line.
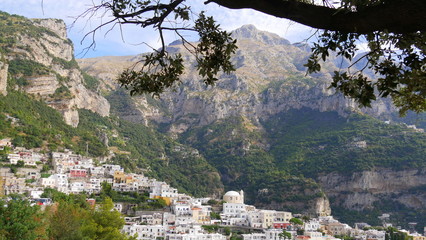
pixel 72 173
pixel 184 217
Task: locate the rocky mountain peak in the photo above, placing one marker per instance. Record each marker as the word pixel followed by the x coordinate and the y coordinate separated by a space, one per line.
pixel 57 26
pixel 252 33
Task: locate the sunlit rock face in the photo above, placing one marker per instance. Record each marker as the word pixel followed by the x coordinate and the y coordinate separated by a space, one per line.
pixel 51 48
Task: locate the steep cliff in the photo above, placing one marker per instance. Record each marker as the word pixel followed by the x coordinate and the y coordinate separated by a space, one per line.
pixel 270 78
pixel 3 75
pixel 41 61
pixel 360 190
pixel 368 194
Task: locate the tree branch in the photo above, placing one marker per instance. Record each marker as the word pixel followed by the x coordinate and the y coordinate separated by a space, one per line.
pixel 397 16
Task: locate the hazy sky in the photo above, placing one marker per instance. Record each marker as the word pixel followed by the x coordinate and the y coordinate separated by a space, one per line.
pixel 112 43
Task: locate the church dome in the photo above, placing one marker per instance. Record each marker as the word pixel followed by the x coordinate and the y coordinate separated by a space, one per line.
pixel 234 197
pixel 231 194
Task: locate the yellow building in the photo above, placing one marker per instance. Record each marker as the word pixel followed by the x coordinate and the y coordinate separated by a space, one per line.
pixel 419 237
pixel 267 217
pixel 14 185
pixel 166 199
pixel 119 177
pixel 200 216
pixel 1 186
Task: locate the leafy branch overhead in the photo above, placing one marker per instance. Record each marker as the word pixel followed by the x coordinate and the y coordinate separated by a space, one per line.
pixel 393 30
pixel 161 70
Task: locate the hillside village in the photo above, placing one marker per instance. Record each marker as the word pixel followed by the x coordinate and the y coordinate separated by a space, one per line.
pixel 182 218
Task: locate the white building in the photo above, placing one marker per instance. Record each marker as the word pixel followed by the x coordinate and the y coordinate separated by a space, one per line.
pixel 110 169
pixel 194 232
pixel 56 181
pixel 268 234
pixel 273 234
pixel 97 171
pixel 312 225
pixel 77 187
pixel 283 217
pixel 162 189
pixel 184 220
pixel 255 219
pixel 254 236
pixel 13 158
pixel 195 236
pixel 181 209
pixel 151 218
pixel 145 232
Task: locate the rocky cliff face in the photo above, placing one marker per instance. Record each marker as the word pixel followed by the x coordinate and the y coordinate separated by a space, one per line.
pixel 361 190
pixel 3 75
pixel 270 78
pixel 45 43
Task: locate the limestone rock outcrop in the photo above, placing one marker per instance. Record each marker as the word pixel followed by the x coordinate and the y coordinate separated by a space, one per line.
pixel 54 51
pixel 3 75
pixel 361 190
pixel 43 85
pixel 269 78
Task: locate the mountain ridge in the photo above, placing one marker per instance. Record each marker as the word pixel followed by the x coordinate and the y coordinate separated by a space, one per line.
pixel 268 86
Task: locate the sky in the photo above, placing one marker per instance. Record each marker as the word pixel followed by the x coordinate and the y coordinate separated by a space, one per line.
pixel 130 41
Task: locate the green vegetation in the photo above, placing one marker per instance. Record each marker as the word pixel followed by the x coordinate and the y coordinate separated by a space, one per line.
pixel 395 234
pixel 90 82
pixel 142 147
pixel 61 93
pixel 296 221
pixel 211 228
pixel 142 200
pixel 309 142
pixel 38 125
pixel 285 235
pixel 239 155
pixel 70 218
pixel 20 220
pixel 72 64
pixel 11 25
pixel 215 215
pixel 31 123
pixel 27 68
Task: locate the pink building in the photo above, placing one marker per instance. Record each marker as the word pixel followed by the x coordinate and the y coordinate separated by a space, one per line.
pixel 78 173
pixel 281 225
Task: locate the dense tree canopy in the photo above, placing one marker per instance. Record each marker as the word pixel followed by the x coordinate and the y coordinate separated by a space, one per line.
pixel 393 30
pixel 20 220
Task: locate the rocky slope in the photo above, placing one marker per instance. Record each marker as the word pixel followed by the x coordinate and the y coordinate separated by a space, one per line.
pixel 228 124
pixel 42 44
pixel 269 78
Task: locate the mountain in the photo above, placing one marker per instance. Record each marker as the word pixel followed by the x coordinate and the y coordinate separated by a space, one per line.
pixel 269 78
pixel 284 137
pixel 40 57
pixel 49 103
